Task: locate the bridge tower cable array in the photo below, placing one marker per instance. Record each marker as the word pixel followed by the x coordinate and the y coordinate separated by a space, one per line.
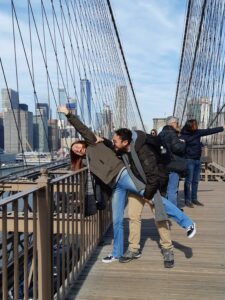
pixel 66 52
pixel 201 86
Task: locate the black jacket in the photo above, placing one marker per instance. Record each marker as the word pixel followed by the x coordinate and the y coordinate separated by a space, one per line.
pixel 193 140
pixel 171 141
pixel 148 151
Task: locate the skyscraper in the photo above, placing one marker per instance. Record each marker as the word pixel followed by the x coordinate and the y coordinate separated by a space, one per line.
pixel 121 106
pixel 53 134
pixel 85 109
pixel 200 110
pixel 44 107
pixel 41 127
pixel 1 132
pixel 10 99
pixel 18 123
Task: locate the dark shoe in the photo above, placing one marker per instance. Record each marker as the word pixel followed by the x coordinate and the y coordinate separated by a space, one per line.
pixel 196 202
pixel 129 255
pixel 191 231
pixel 109 259
pixel 168 257
pixel 189 204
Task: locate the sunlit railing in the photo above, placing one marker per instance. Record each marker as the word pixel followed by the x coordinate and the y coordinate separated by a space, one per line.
pixel 46 237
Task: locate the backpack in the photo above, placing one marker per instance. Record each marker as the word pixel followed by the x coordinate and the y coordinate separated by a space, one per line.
pixel 160 151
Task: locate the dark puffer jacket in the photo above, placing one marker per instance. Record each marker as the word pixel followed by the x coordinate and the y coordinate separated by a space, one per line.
pixel 193 140
pixel 171 141
pixel 148 150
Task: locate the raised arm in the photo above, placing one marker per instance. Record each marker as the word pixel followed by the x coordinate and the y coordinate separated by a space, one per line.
pixel 84 131
pixel 209 131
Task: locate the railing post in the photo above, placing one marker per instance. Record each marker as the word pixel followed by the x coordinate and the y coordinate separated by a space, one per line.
pixel 44 238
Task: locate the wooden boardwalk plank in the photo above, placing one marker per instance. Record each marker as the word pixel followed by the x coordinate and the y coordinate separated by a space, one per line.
pixel 199 271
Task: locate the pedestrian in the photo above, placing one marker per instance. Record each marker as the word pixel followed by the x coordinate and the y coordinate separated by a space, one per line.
pixel 135 145
pixel 104 164
pixel 154 132
pixel 192 136
pixel 175 147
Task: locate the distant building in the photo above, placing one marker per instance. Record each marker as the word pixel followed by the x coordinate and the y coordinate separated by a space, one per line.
pixel 18 131
pixel 121 107
pixel 44 109
pixel 98 121
pixel 23 106
pixel 10 99
pixel 159 123
pixel 53 135
pixel 199 109
pixel 1 132
pixel 40 127
pixel 85 109
pixel 107 121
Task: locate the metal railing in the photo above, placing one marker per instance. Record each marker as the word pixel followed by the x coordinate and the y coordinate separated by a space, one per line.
pixel 46 237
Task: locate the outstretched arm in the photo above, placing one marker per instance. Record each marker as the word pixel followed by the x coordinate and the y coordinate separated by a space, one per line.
pixel 209 131
pixel 84 131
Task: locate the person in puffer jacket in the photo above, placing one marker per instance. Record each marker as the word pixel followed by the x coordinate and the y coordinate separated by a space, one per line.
pixel 192 136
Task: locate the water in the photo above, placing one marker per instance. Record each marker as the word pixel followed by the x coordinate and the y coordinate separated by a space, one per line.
pixel 4 172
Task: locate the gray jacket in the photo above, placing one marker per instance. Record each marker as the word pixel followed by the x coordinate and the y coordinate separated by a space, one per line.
pixel 103 161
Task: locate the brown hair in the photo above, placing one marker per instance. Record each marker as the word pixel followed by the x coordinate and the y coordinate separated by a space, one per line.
pixel 154 132
pixel 191 125
pixel 76 160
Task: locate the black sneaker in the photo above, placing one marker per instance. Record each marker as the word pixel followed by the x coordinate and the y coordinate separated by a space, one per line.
pixel 109 258
pixel 129 255
pixel 196 202
pixel 191 231
pixel 168 257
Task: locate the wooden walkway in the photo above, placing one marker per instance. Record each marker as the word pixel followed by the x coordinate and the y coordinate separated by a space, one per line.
pixel 199 271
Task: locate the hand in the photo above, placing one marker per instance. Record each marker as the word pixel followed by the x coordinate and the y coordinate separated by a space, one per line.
pixel 62 109
pixel 150 202
pixel 98 139
pixel 223 127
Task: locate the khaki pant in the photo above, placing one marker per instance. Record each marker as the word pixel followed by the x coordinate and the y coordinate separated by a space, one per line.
pixel 135 207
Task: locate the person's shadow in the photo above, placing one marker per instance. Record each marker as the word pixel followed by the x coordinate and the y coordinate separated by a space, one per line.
pixel 149 230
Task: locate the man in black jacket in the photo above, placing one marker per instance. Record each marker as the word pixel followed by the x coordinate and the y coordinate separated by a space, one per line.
pixel 175 148
pixel 134 147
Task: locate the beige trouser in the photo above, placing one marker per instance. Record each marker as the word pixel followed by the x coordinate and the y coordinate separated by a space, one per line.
pixel 135 207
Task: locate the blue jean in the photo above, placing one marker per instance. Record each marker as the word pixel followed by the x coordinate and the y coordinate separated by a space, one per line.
pixel 123 185
pixel 172 188
pixel 191 180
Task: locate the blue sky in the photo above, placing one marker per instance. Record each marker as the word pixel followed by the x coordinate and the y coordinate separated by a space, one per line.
pixel 151 32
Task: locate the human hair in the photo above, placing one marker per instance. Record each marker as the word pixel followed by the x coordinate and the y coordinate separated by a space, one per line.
pixel 125 134
pixel 171 119
pixel 191 125
pixel 76 161
pixel 154 132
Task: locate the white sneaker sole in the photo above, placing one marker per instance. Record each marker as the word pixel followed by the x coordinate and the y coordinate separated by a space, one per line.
pixel 109 261
pixel 193 233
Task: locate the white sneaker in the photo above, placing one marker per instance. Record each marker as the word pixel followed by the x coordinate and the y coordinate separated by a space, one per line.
pixel 109 258
pixel 191 231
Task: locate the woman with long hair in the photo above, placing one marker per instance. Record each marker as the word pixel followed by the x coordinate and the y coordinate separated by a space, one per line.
pixel 77 150
pixel 192 136
pixel 104 164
